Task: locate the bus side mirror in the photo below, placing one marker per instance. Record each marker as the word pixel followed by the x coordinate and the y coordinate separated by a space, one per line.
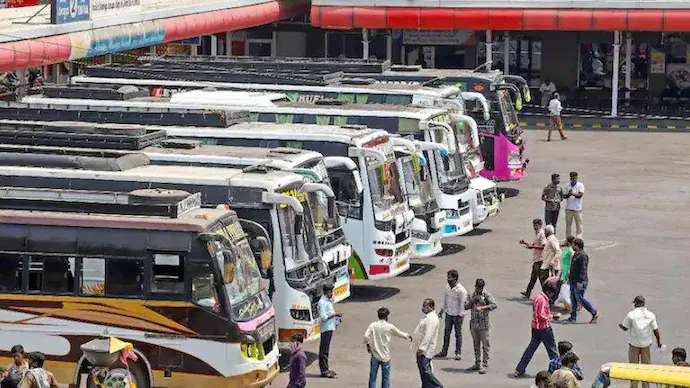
pixel 266 253
pixel 228 267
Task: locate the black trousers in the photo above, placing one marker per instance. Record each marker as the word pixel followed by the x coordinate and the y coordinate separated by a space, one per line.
pixel 324 349
pixel 551 217
pixel 536 272
pixel 426 374
pixel 452 322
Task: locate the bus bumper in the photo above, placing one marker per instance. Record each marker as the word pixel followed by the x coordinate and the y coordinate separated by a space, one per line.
pixel 427 248
pixel 457 224
pixel 265 380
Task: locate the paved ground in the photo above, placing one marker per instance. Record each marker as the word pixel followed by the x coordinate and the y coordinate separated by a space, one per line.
pixel 638 190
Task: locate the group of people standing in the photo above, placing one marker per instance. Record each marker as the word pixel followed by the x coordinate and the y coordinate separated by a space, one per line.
pixel 23 374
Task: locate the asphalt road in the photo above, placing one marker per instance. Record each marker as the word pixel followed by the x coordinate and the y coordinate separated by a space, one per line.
pixel 636 224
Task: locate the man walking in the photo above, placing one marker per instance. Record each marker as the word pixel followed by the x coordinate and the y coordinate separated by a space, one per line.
pixel 541 329
pixel 454 300
pixel 537 246
pixel 298 363
pixel 555 109
pixel 579 279
pixel 552 195
pixel 551 255
pixel 480 304
pixel 424 344
pixel 641 325
pixel 377 338
pixel 573 193
pixel 329 322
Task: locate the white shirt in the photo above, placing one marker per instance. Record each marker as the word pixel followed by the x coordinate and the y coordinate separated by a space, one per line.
pixel 454 300
pixel 555 107
pixel 378 337
pixel 573 203
pixel 425 335
pixel 551 87
pixel 551 255
pixel 641 324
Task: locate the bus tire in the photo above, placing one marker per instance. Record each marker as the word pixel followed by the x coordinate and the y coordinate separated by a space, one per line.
pixel 118 372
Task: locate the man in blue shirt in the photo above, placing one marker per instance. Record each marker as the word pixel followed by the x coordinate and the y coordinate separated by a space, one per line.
pixel 556 364
pixel 329 321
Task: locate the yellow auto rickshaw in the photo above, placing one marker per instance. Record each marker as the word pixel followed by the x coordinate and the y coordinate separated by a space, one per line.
pixel 663 376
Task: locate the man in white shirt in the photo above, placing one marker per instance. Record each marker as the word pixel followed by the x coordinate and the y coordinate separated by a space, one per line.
pixel 551 255
pixel 642 327
pixel 424 344
pixel 377 338
pixel 572 193
pixel 555 109
pixel 454 300
pixel 547 89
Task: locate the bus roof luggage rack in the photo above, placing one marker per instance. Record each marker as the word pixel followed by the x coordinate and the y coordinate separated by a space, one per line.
pixel 32 158
pixel 216 118
pixel 279 76
pixel 78 134
pixel 94 93
pixel 145 202
pixel 406 68
pixel 346 65
pixel 357 81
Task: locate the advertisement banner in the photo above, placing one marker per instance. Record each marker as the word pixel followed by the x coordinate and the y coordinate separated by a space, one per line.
pixel 19 3
pixel 658 65
pixel 109 8
pixel 69 11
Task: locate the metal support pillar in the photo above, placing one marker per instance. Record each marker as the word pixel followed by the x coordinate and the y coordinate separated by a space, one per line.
pixel 616 65
pixel 506 52
pixel 489 49
pixel 365 43
pixel 274 44
pixel 389 46
pixel 214 45
pixel 628 64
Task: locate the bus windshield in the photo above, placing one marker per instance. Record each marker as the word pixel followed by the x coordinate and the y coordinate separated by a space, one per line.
pixel 238 260
pixel 318 202
pixel 412 183
pixel 309 233
pixel 288 237
pixel 509 112
pixel 384 183
pixel 451 174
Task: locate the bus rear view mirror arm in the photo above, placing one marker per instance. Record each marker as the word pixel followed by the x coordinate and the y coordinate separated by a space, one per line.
pixel 367 152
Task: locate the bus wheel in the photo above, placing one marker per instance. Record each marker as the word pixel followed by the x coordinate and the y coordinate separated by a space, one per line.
pixel 117 377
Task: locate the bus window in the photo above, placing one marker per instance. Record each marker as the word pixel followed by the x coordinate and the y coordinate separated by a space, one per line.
pixel 323 120
pixel 408 125
pixel 167 275
pixel 10 272
pixel 340 120
pixel 92 276
pixel 123 277
pixel 51 274
pixel 203 288
pixel 285 118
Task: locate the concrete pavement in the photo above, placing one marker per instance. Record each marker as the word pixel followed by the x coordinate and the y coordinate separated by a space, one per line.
pixel 636 232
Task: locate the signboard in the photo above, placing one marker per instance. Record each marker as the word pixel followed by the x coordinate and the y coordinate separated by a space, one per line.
pixel 122 38
pixel 107 8
pixel 432 38
pixel 193 41
pixel 658 65
pixel 69 11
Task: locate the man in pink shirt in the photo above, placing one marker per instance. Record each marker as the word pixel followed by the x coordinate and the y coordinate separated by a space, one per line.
pixel 541 329
pixel 537 247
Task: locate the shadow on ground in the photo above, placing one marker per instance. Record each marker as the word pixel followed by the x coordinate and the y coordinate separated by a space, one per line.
pixel 284 360
pixel 451 249
pixel 508 191
pixel 521 300
pixel 367 293
pixel 418 269
pixel 478 232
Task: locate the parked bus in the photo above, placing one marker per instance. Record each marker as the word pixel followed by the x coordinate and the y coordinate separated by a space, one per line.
pixel 269 203
pixel 375 221
pixel 502 144
pixel 349 90
pixel 149 266
pixel 454 195
pixel 427 227
pixel 331 238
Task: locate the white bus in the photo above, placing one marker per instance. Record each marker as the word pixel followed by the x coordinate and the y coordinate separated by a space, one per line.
pixel 151 267
pixel 268 202
pixel 427 227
